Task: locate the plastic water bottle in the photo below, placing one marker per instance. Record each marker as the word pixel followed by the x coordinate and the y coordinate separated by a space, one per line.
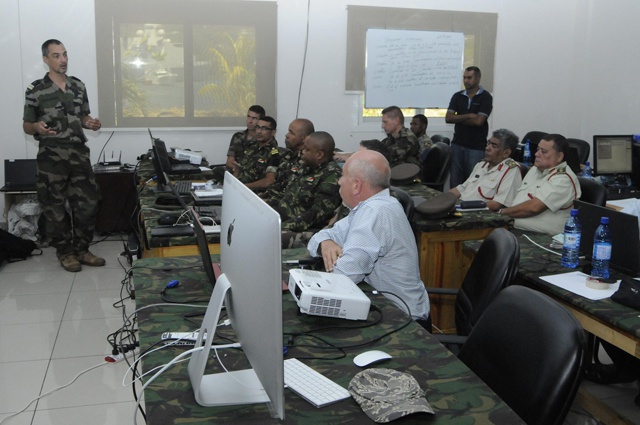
pixel 526 155
pixel 571 246
pixel 601 250
pixel 586 171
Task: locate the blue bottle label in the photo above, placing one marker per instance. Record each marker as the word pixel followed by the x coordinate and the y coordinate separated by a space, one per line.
pixel 572 240
pixel 602 251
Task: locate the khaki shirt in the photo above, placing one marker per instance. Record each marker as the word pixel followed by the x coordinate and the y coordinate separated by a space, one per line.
pixel 557 188
pixel 499 183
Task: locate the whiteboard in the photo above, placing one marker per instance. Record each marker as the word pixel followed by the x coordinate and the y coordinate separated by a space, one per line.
pixel 406 68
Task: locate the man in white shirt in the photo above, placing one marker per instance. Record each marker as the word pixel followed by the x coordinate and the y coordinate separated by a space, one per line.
pixel 374 243
pixel 496 179
pixel 545 198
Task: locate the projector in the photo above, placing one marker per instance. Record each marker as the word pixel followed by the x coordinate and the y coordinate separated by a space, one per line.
pixel 328 294
pixel 192 157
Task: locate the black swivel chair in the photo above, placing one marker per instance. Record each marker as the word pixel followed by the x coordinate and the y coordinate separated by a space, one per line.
pixel 582 147
pixel 492 269
pixel 437 138
pixel 405 200
pixel 435 167
pixel 530 351
pixel 524 168
pixel 593 191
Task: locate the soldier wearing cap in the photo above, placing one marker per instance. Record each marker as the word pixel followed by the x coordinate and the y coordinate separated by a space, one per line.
pixel 496 179
pixel 56 112
pixel 308 201
pixel 545 198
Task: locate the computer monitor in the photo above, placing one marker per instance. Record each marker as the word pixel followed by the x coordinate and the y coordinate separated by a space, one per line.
pixel 161 179
pixel 613 155
pixel 250 287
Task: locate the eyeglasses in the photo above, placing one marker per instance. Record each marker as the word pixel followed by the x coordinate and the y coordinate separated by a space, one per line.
pixel 261 127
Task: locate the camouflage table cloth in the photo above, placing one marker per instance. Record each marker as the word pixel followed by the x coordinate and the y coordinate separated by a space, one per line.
pixel 455 393
pixel 536 262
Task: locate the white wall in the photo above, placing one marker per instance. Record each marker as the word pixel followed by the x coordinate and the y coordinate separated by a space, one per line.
pixel 560 67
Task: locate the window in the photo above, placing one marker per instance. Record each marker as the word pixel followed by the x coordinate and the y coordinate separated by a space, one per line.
pixel 192 63
pixel 479 31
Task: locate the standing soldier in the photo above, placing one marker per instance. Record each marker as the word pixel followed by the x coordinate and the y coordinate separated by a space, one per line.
pixel 56 111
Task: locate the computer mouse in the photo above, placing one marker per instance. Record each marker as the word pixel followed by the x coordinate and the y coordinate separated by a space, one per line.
pixel 167 219
pixel 370 357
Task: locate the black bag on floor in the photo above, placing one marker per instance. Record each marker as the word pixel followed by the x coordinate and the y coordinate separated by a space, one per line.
pixel 14 248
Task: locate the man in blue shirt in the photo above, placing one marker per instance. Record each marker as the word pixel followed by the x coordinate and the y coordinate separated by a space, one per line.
pixel 374 243
pixel 468 110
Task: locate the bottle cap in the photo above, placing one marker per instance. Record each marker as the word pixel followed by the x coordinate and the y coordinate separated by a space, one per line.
pixel 604 220
pixel 586 164
pixel 574 212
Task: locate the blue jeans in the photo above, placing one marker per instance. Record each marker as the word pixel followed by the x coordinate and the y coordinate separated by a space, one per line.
pixel 462 162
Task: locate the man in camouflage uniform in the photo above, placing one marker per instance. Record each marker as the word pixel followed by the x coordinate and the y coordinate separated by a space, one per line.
pixel 418 126
pixel 545 198
pixel 258 162
pixel 56 111
pixel 403 144
pixel 309 200
pixel 291 158
pixel 496 179
pixel 239 141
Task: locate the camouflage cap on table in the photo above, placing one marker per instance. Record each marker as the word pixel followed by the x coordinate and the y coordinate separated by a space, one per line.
pixel 387 394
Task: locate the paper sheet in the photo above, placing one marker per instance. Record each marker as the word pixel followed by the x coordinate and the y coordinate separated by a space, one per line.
pixel 576 282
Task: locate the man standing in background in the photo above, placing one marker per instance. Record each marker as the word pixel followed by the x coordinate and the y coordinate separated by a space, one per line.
pixel 56 111
pixel 468 110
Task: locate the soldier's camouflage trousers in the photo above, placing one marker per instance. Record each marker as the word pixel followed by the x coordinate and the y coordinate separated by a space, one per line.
pixel 65 175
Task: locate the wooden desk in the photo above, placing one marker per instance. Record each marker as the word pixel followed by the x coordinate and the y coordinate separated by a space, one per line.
pixel 613 322
pixel 440 246
pixel 453 391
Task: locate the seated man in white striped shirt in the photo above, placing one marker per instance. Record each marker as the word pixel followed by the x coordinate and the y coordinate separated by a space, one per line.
pixel 374 243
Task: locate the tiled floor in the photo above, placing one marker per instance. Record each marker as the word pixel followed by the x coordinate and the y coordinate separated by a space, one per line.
pixel 54 324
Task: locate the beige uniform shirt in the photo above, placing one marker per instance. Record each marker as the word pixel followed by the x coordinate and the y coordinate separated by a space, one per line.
pixel 499 183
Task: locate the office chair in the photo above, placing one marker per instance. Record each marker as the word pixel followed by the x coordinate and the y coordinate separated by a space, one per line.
pixel 530 351
pixel 492 269
pixel 524 169
pixel 593 191
pixel 435 167
pixel 405 200
pixel 582 147
pixel 439 138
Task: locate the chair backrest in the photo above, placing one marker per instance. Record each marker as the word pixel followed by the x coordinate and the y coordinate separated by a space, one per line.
pixel 583 147
pixel 492 269
pixel 593 191
pixel 405 200
pixel 435 167
pixel 529 350
pixel 524 168
pixel 436 138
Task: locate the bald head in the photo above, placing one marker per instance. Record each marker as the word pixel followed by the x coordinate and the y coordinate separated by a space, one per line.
pixel 318 148
pixel 298 130
pixel 364 174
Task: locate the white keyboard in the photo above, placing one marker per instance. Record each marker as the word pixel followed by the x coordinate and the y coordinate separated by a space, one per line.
pixel 311 385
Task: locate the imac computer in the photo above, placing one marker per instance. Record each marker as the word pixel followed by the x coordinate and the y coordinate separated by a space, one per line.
pixel 613 157
pixel 250 287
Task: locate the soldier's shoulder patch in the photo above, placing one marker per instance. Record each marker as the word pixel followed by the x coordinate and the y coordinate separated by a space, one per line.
pixel 311 179
pixel 34 84
pixel 510 163
pixel 274 151
pixel 562 170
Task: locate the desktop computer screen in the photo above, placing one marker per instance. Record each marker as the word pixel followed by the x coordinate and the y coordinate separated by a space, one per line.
pixel 612 155
pixel 251 288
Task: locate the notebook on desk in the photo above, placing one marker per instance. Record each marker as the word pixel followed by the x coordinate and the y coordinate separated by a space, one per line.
pixel 625 255
pixel 19 175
